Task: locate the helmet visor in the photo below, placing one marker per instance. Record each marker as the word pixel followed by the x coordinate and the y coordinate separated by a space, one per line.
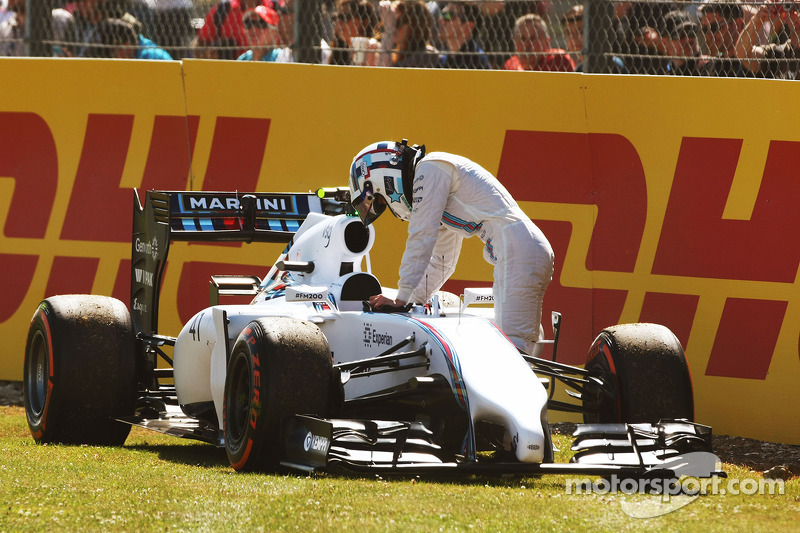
pixel 368 206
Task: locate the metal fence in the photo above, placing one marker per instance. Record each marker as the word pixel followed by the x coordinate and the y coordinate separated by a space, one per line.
pixel 691 38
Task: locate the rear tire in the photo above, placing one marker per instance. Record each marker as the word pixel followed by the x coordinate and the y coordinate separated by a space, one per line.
pixel 646 372
pixel 279 367
pixel 80 371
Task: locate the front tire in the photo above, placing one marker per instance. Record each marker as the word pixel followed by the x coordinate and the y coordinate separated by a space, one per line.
pixel 80 371
pixel 646 376
pixel 279 367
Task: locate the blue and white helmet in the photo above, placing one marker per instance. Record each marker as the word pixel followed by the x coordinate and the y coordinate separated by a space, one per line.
pixel 380 175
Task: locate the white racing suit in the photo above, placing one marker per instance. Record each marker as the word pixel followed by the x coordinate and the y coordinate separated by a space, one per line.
pixel 454 198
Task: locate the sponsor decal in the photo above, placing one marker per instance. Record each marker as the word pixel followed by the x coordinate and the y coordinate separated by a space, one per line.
pixel 147 248
pixel 316 443
pixel 144 277
pixel 326 234
pixel 373 336
pixel 141 308
pixel 310 296
pixel 231 203
pixel 388 183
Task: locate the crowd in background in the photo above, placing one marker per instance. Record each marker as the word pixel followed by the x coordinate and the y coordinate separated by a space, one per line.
pixel 698 38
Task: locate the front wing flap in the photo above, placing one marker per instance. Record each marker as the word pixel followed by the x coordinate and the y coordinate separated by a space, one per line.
pixel 314 444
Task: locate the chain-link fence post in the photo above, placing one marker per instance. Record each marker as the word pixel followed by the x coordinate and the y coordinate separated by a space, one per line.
pixel 597 33
pixel 307 24
pixel 38 28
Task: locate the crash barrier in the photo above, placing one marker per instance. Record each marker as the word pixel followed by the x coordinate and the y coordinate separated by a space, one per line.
pixel 661 203
pixel 690 38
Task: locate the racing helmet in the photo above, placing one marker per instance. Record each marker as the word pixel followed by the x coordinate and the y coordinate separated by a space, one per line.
pixel 381 177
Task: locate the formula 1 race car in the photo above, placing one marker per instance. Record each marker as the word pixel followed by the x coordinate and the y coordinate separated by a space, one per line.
pixel 309 377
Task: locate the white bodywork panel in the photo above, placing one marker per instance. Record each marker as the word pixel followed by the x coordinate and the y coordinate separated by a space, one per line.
pixel 488 376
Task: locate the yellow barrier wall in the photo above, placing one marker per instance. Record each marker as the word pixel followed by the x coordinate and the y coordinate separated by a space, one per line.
pixel 666 200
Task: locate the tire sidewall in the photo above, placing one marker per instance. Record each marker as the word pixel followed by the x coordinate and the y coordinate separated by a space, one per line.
pixel 600 361
pixel 651 376
pixel 279 367
pixel 242 434
pixel 38 402
pixel 79 372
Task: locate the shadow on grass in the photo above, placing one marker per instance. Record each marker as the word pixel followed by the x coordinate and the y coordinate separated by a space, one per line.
pixel 199 454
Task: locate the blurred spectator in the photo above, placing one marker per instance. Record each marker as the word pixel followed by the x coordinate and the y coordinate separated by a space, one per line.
pixel 497 21
pixel 721 23
pixel 681 46
pixel 146 48
pixel 779 58
pixel 286 29
pixel 113 38
pixel 641 43
pixel 533 50
pixel 120 38
pixel 222 35
pixel 167 22
pixel 412 35
pixel 261 27
pixel 354 26
pixel 572 25
pixel 86 14
pixel 458 33
pixel 12 28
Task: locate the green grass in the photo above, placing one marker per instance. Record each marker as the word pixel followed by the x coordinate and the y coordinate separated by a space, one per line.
pixel 159 483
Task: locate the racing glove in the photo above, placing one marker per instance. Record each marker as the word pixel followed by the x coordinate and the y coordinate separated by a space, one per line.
pixel 386 308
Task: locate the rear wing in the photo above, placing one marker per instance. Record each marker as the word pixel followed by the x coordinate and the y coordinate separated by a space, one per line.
pixel 210 217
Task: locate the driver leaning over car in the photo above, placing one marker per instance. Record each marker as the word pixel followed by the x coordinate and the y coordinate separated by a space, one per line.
pixel 454 198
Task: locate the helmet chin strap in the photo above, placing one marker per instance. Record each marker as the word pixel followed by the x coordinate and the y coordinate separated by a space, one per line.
pixel 410 156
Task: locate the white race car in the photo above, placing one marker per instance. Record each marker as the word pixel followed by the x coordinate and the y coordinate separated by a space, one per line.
pixel 307 376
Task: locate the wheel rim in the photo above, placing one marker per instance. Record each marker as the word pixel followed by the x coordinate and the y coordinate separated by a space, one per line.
pixel 37 375
pixel 238 402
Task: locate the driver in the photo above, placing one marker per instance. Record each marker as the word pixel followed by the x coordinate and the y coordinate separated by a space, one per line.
pixel 446 198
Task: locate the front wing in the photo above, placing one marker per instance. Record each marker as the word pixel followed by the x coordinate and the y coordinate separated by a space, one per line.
pixel 640 451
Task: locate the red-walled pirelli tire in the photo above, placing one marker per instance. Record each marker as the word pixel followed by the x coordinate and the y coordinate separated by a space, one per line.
pixel 646 372
pixel 278 367
pixel 80 370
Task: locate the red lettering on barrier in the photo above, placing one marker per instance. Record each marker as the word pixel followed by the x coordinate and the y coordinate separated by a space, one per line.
pixel 96 195
pixel 696 241
pixel 122 284
pixel 236 155
pixel 18 271
pixel 194 280
pixel 30 158
pixel 574 168
pixel 171 149
pixel 63 279
pixel 737 351
pixel 676 311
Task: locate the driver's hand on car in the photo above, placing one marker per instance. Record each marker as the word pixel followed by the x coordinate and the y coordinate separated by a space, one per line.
pixel 379 302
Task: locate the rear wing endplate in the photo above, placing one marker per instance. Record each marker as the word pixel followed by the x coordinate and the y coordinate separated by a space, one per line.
pixel 207 217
